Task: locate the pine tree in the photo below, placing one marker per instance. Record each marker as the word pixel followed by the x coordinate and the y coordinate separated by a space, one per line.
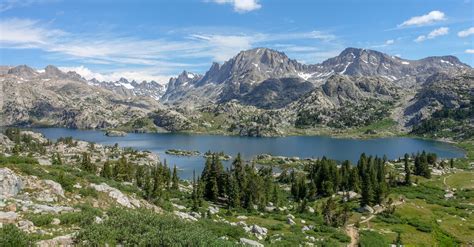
pixel 106 171
pixel 86 163
pixel 407 171
pixel 175 179
pixel 233 192
pixel 56 159
pixel 328 211
pixel 366 192
pixel 275 195
pixel 194 195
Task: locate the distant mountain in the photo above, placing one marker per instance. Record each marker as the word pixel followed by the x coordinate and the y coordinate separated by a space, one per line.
pixel 259 92
pixel 55 98
pixel 132 88
pixel 238 77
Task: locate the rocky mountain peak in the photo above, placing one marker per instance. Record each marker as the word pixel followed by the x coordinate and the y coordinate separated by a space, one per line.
pixel 53 72
pixel 23 71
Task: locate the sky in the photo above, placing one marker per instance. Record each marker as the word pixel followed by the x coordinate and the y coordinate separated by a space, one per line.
pixel 153 40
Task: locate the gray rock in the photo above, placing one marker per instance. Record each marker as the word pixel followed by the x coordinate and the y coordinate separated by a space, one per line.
pixel 290 221
pixel 259 230
pixel 249 242
pixel 66 240
pixel 10 183
pixel 366 209
pixel 8 217
pixel 116 194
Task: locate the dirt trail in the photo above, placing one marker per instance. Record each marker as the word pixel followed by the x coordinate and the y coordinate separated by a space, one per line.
pixel 354 234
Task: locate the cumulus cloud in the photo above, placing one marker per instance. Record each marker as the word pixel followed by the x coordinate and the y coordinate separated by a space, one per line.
pixel 466 33
pixel 433 34
pixel 469 51
pixel 389 42
pixel 241 6
pixel 430 18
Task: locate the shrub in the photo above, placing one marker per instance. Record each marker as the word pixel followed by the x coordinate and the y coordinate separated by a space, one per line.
pixel 41 219
pixel 371 238
pixel 341 237
pixel 11 236
pixel 145 228
pixel 420 225
pixel 85 192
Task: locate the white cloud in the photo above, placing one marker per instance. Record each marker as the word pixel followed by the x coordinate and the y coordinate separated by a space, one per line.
pixel 241 6
pixel 431 17
pixel 433 34
pixel 26 32
pixel 163 56
pixel 10 4
pixel 222 47
pixel 138 75
pixel 467 32
pixel 389 42
pixel 469 51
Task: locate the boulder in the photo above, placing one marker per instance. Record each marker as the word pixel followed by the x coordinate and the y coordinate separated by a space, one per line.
pixel 366 209
pixel 249 242
pixel 242 217
pixel 51 191
pixel 56 221
pixel 290 221
pixel 195 215
pixel 8 217
pixel 184 216
pixel 449 195
pixel 66 240
pixel 10 183
pixel 116 194
pixel 259 230
pixel 40 208
pixel 26 226
pixel 213 210
pixel 269 209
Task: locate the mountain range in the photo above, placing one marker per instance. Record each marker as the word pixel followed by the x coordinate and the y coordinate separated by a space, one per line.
pixel 258 92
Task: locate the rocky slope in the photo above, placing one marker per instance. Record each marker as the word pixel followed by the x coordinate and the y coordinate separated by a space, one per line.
pixel 55 98
pixel 259 92
pixel 241 75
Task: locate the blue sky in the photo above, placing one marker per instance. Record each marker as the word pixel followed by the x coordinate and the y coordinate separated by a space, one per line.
pixel 157 39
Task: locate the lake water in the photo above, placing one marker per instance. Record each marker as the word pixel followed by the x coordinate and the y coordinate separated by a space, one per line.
pixel 301 146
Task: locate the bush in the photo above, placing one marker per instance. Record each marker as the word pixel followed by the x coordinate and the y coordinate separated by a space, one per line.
pixel 41 219
pixel 85 192
pixel 420 225
pixel 341 237
pixel 11 236
pixel 370 239
pixel 145 228
pixel 83 218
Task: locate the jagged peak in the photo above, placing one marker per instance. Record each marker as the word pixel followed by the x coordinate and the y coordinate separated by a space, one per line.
pixel 22 70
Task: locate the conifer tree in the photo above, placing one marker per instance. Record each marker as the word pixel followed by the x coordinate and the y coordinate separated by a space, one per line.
pixel 233 192
pixel 86 163
pixel 175 179
pixel 407 171
pixel 106 171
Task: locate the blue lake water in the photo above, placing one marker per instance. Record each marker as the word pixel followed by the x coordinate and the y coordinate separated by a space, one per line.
pixel 301 146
